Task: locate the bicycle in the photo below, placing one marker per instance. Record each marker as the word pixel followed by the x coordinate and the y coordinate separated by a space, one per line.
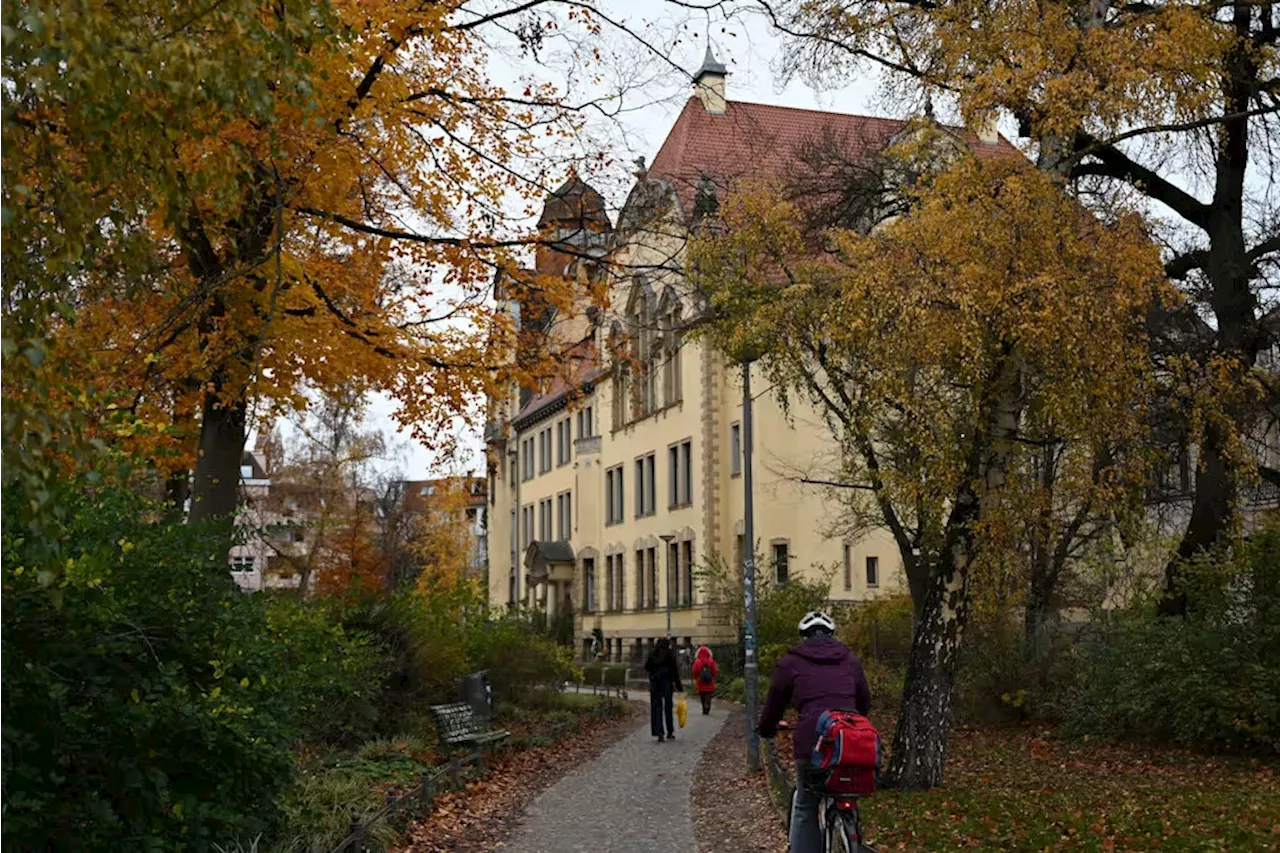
pixel 839 820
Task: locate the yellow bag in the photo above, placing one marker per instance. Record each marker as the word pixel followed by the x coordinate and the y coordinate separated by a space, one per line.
pixel 682 710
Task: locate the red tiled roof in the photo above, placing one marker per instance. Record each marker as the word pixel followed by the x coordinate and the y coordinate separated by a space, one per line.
pixel 761 140
pixel 415 499
pixel 581 364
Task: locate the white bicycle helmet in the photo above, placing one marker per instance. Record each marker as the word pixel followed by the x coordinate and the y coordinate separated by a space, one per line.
pixel 816 620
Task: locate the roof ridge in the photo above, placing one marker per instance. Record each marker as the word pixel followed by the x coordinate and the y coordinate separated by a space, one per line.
pixel 898 121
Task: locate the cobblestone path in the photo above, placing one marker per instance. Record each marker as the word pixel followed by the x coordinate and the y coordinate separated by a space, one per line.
pixel 633 798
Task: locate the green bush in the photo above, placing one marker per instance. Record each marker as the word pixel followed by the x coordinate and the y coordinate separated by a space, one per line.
pixel 733 689
pixel 1210 679
pixel 880 629
pixel 885 683
pixel 333 671
pixel 142 703
pixel 780 607
pixel 147 702
pixel 518 657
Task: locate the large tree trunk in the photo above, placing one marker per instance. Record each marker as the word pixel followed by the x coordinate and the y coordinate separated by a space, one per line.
pixel 1235 306
pixel 216 487
pixel 919 754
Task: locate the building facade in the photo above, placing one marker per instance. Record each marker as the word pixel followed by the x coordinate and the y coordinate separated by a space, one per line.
pixel 616 487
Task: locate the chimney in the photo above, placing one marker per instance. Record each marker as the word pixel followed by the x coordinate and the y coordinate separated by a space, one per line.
pixel 708 84
pixel 987 126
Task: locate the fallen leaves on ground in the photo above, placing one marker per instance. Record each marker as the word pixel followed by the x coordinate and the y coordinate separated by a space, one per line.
pixel 480 817
pixel 1024 789
pixel 731 808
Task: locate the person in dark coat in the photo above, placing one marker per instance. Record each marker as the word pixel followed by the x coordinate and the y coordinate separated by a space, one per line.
pixel 704 676
pixel 820 674
pixel 664 682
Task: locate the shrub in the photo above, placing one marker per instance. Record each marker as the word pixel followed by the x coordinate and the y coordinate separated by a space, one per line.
pixel 154 702
pixel 145 704
pixel 1210 679
pixel 318 812
pixel 333 671
pixel 517 656
pixel 780 607
pixel 733 689
pixel 880 629
pixel 1004 679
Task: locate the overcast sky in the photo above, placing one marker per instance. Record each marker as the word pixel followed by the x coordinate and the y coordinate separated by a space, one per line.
pixel 746 47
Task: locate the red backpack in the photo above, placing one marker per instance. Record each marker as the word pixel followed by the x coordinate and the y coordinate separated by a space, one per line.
pixel 846 753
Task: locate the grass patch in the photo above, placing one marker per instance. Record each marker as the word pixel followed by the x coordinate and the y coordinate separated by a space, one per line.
pixel 1011 789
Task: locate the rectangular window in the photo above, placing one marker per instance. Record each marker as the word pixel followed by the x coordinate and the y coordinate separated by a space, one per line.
pixel 686 472
pixel 680 457
pixel 673 472
pixel 646 486
pixel 526 526
pixel 515 534
pixel 735 450
pixel 544 520
pixel 873 571
pixel 640 501
pixel 526 451
pixel 642 596
pixel 621 582
pixel 564 443
pixel 651 481
pixel 653 577
pixel 688 573
pixel 544 451
pixel 588 584
pixel 242 564
pixel 673 574
pixel 613 495
pixel 564 515
pixel 781 560
pixel 586 425
pixel 848 568
pixel 608 582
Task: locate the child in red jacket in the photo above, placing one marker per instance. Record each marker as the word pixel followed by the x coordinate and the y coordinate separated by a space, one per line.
pixel 704 676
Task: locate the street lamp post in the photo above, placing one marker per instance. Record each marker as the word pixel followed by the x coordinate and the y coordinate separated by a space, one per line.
pixel 666 542
pixel 751 668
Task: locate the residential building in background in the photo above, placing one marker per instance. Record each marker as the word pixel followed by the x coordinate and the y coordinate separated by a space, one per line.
pixel 463 502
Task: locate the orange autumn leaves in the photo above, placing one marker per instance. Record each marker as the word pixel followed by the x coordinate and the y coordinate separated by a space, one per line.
pixel 912 328
pixel 313 204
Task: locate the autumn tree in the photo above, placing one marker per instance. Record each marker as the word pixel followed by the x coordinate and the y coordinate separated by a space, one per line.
pixel 319 517
pixel 994 310
pixel 207 209
pixel 444 540
pixel 1172 103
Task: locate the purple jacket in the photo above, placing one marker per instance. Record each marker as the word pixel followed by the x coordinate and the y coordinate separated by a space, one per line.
pixel 818 675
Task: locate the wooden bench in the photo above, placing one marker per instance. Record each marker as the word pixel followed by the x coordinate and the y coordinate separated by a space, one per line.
pixel 457 726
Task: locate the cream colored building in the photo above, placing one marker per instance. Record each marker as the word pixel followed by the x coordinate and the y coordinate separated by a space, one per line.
pixel 612 485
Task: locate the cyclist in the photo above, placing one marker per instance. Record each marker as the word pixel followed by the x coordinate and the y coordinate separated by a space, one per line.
pixel 819 674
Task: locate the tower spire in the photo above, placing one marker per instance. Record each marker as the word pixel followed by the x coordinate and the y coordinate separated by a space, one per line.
pixel 708 83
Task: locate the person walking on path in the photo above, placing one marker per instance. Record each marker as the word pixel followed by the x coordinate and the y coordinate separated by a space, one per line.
pixel 820 674
pixel 704 676
pixel 664 683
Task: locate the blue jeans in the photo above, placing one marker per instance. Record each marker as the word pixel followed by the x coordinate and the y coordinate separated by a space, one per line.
pixel 661 708
pixel 805 837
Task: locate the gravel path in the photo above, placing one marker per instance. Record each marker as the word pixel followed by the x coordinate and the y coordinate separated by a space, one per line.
pixel 634 798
